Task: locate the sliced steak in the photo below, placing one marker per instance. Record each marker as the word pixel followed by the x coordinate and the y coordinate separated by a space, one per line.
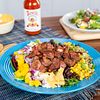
pixel 66 55
pixel 42 69
pixel 36 64
pixel 50 47
pixel 62 64
pixel 74 56
pixel 39 47
pixel 66 49
pixel 35 51
pixel 56 62
pixel 48 54
pixel 46 62
pixel 55 46
pixel 36 58
pixel 58 54
pixel 52 68
pixel 69 62
pixel 44 45
pixel 60 48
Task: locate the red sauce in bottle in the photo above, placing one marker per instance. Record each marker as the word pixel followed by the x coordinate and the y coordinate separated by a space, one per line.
pixel 32 17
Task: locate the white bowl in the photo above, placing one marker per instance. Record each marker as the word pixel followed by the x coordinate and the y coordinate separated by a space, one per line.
pixel 6 27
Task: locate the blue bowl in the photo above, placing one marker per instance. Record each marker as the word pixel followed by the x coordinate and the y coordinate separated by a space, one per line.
pixel 6 70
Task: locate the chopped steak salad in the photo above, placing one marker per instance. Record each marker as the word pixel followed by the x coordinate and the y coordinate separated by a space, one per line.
pixel 86 19
pixel 51 64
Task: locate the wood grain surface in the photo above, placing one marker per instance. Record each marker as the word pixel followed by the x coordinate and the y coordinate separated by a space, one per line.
pixel 53 22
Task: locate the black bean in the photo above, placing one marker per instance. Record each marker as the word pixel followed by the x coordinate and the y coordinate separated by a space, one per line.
pixel 52 42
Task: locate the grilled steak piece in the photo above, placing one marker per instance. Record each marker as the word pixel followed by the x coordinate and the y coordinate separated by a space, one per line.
pixel 52 68
pixel 56 62
pixel 71 58
pixel 46 62
pixel 36 58
pixel 36 64
pixel 69 62
pixel 36 51
pixel 62 64
pixel 44 45
pixel 50 47
pixel 39 47
pixel 42 69
pixel 66 55
pixel 66 49
pixel 74 56
pixel 58 54
pixel 60 48
pixel 48 54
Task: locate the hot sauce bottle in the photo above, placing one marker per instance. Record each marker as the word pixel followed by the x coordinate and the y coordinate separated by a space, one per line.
pixel 32 17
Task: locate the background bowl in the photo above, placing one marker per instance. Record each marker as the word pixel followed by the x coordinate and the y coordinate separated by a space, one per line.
pixel 6 23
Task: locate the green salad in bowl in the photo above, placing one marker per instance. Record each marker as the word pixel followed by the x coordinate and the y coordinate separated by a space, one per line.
pixel 86 19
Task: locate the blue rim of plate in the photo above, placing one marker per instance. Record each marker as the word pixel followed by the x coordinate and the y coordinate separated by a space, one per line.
pixel 7 72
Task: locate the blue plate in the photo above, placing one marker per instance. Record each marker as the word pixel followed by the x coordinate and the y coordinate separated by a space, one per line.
pixel 6 70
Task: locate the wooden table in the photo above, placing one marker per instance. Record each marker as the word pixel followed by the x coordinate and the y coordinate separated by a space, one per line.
pixel 53 22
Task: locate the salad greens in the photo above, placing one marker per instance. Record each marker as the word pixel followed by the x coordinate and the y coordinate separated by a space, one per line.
pixel 71 81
